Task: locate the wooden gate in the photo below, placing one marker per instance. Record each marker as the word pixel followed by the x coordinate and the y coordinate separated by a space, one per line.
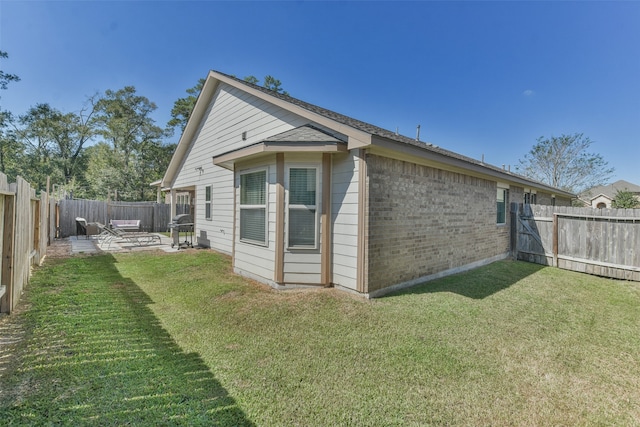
pixel 604 242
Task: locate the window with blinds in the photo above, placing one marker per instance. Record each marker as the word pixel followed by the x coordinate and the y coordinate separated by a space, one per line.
pixel 501 205
pixel 207 202
pixel 253 207
pixel 302 207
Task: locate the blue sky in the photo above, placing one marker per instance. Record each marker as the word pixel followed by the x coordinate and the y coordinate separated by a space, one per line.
pixel 481 78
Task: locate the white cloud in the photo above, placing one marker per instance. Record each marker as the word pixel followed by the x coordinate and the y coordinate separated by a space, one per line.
pixel 528 92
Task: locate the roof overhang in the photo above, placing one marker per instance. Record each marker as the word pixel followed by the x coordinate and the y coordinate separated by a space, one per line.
pixel 228 160
pixel 355 138
pixel 424 156
pixel 351 138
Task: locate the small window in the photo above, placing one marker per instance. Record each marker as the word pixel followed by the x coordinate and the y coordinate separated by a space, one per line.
pixel 253 207
pixel 527 198
pixel 502 197
pixel 207 202
pixel 302 207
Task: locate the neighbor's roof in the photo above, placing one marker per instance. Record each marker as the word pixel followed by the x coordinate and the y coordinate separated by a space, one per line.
pixel 610 190
pixel 359 133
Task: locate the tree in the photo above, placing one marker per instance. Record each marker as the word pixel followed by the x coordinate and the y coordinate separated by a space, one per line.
pixel 183 107
pixel 10 148
pixel 54 142
pixel 129 133
pixel 625 199
pixel 37 136
pixel 274 84
pixel 565 163
pixel 252 79
pixel 6 78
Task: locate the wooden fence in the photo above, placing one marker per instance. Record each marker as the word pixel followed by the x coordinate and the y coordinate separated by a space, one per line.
pixel 154 217
pixel 24 225
pixel 604 242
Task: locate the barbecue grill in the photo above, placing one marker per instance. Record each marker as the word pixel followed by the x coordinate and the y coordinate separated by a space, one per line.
pixel 182 223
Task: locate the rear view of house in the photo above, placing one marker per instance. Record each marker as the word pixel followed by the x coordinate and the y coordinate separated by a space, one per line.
pixel 300 195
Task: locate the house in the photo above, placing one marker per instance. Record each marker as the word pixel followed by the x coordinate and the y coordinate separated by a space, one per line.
pixel 300 195
pixel 601 196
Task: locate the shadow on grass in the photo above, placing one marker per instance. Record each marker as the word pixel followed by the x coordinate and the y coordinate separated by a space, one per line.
pixel 478 283
pixel 95 354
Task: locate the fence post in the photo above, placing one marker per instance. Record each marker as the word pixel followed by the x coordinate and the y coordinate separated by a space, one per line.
pixel 514 230
pixel 8 255
pixel 555 239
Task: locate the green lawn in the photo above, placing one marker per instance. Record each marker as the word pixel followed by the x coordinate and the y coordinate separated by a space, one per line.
pixel 167 339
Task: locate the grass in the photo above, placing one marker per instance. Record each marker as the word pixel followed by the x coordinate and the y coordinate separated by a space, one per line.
pixel 170 339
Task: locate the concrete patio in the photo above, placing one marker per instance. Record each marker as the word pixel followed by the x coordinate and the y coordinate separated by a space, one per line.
pixel 90 244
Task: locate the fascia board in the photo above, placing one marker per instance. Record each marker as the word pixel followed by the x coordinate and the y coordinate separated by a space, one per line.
pixel 190 130
pixel 227 160
pixel 411 153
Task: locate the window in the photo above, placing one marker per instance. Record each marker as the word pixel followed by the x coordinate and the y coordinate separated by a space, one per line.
pixel 501 204
pixel 530 197
pixel 253 207
pixel 207 202
pixel 182 199
pixel 302 207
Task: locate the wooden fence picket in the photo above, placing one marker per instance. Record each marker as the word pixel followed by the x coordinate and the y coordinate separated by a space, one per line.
pixel 604 242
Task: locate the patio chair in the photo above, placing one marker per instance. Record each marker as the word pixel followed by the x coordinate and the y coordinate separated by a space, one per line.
pixel 81 227
pixel 137 238
pixel 106 235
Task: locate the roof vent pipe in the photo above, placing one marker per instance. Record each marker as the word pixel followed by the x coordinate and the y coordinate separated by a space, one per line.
pixel 418 133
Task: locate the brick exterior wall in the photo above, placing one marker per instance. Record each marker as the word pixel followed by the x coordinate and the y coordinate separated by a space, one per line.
pixel 424 220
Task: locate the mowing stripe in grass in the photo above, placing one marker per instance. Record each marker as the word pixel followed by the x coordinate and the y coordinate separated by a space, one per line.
pixel 96 355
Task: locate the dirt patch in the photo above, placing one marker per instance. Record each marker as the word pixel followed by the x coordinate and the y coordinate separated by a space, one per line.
pixel 59 248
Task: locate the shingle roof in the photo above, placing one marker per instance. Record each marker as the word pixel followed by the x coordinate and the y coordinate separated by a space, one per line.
pixel 378 131
pixel 306 133
pixel 610 190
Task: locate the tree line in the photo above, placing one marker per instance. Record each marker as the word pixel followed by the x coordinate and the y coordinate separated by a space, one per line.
pixel 110 148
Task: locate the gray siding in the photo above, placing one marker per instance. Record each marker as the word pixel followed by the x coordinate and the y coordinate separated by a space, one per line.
pixel 344 211
pixel 230 113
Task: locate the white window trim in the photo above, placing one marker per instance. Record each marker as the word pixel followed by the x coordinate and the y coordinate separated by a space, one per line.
pixel 316 237
pixel 265 206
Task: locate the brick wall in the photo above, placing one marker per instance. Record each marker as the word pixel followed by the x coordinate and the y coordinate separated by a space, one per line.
pixel 424 220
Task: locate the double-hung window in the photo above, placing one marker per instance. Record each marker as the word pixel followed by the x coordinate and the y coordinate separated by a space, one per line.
pixel 501 203
pixel 302 208
pixel 253 207
pixel 207 202
pixel 529 198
